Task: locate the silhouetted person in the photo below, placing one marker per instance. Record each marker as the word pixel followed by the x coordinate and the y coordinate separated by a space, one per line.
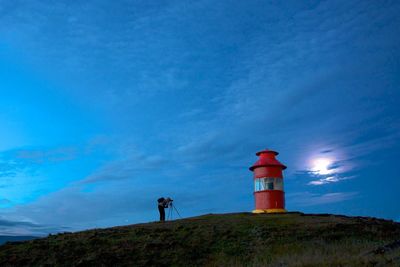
pixel 161 208
pixel 163 203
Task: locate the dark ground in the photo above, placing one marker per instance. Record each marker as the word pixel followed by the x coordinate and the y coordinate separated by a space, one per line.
pixel 240 239
pixel 5 238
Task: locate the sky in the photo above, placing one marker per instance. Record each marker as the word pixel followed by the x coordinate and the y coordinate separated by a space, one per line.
pixel 107 105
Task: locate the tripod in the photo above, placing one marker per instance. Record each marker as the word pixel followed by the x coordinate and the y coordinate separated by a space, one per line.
pixel 171 210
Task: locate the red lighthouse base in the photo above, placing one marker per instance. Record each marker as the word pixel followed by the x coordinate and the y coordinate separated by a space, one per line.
pixel 269 201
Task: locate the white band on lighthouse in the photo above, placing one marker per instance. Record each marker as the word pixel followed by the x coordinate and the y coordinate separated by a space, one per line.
pixel 268 184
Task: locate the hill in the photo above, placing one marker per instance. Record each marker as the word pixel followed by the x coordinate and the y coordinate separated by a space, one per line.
pixel 240 239
pixel 6 238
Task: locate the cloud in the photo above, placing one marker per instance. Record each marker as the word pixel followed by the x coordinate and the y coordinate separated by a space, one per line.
pixel 127 190
pixel 10 168
pixel 268 106
pixel 117 202
pixel 208 146
pixel 330 179
pixel 326 167
pixel 8 227
pixel 4 202
pixel 132 165
pixel 192 113
pixel 306 199
pixel 16 159
pixel 335 173
pixel 83 207
pixel 76 206
pixel 27 162
pixel 42 156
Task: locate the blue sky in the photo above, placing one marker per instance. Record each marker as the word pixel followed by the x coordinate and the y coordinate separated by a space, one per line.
pixel 107 105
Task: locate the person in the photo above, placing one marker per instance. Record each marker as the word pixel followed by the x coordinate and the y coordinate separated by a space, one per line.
pixel 163 203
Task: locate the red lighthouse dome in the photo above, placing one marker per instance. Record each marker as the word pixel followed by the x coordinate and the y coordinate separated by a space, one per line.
pixel 268 183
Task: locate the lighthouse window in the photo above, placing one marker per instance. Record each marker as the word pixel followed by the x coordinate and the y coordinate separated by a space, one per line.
pixel 278 184
pixel 268 184
pixel 258 185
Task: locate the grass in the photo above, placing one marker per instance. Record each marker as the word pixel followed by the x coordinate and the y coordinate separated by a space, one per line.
pixel 240 239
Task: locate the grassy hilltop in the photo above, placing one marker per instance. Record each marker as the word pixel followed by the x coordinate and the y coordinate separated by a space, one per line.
pixel 240 239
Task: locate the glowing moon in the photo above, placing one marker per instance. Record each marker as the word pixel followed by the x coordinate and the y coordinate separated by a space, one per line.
pixel 321 166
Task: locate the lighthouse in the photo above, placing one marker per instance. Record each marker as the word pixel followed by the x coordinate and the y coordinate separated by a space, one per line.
pixel 268 183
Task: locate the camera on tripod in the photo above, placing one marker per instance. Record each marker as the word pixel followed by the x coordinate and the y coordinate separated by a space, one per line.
pixel 168 202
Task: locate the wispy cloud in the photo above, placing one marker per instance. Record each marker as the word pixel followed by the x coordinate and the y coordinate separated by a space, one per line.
pixel 129 165
pixel 50 155
pixel 82 207
pixel 19 161
pixel 25 156
pixel 8 227
pixel 4 202
pixel 305 199
pixel 323 172
pixel 330 179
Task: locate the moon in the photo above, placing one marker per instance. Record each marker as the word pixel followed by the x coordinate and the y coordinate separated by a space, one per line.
pixel 321 166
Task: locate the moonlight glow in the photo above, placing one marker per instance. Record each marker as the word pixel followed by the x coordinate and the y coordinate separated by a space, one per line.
pixel 321 166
